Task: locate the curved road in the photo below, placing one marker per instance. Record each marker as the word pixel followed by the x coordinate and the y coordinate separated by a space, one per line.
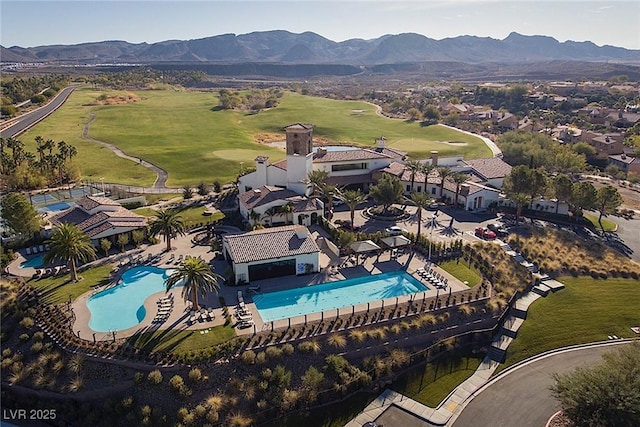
pixel 25 121
pixel 521 397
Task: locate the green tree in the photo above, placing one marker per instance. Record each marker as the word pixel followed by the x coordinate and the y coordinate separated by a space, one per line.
pixel 196 278
pixel 431 114
pixel 458 178
pixel 137 236
pixel 105 245
pixel 444 172
pixel 329 192
pixel 607 394
pixel 520 200
pixel 19 215
pixel 583 196
pixel 286 210
pixel 169 224
pixel 122 241
pixel 352 198
pixel 70 245
pixel 562 188
pixel 187 192
pixel 387 191
pixel 414 166
pixel 271 212
pixel 311 382
pixel 316 179
pixel 420 201
pixel 203 190
pixel 607 201
pixel 426 170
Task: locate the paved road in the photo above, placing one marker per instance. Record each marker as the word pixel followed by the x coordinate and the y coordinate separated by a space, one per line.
pixel 629 232
pixel 29 119
pixel 522 398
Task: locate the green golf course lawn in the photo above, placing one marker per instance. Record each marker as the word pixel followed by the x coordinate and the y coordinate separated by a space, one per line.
pixel 183 133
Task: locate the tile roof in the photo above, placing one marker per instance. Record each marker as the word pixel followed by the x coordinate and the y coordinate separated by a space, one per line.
pixel 264 195
pixel 281 164
pixel 304 204
pixel 348 155
pixel 303 126
pixel 490 168
pixel 270 243
pixel 90 202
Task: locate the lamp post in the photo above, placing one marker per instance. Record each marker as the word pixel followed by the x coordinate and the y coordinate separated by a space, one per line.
pixel 431 238
pixel 102 184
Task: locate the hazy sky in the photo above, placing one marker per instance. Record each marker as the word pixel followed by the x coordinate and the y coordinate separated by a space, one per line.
pixel 32 23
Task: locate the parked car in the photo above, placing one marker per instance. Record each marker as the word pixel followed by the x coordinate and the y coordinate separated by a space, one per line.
pixel 498 229
pixel 485 233
pixel 395 230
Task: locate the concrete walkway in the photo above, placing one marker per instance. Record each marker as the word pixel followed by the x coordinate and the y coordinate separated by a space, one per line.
pixel 441 415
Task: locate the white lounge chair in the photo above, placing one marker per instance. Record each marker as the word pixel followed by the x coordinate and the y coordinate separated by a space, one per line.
pixel 41 248
pixel 171 258
pixel 179 260
pixel 28 251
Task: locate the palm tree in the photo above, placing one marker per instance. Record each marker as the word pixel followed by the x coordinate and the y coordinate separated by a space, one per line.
pixel 286 209
pixel 316 178
pixel 444 173
pixel 197 278
pixel 254 217
pixel 414 166
pixel 459 179
pixel 273 210
pixel 426 170
pixel 352 198
pixel 71 245
pixel 420 201
pixel 168 223
pixel 329 192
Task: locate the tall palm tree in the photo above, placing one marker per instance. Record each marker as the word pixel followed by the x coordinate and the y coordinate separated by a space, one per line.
pixel 426 170
pixel 316 178
pixel 444 173
pixel 420 201
pixel 414 166
pixel 168 223
pixel 197 277
pixel 71 245
pixel 330 192
pixel 254 217
pixel 352 198
pixel 458 178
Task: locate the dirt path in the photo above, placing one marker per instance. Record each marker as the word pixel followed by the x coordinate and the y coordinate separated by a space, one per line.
pixel 161 174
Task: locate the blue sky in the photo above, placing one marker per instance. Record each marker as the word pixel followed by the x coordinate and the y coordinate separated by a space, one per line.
pixel 32 23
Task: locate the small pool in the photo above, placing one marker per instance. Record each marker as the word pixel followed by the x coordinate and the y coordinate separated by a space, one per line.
pixel 57 207
pixel 331 295
pixel 122 306
pixel 35 262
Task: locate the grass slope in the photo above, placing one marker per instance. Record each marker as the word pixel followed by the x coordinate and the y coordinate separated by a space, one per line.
pixel 183 133
pixel 460 271
pixel 587 310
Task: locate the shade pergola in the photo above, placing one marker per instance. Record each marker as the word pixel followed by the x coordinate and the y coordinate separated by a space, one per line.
pixel 394 242
pixel 364 246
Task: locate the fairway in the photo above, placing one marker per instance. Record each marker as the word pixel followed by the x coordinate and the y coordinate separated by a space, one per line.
pixel 183 133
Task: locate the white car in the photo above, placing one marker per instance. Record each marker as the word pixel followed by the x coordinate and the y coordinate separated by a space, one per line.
pixel 395 230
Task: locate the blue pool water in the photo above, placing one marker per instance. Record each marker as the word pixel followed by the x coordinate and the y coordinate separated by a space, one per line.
pixel 35 262
pixel 332 295
pixel 56 207
pixel 122 306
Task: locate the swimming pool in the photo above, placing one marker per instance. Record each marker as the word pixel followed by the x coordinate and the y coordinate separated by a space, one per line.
pixel 331 295
pixel 122 306
pixel 35 262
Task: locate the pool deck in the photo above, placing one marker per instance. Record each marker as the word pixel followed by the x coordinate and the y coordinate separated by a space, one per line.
pixel 332 269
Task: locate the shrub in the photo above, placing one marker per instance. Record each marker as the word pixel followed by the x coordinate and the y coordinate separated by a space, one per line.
pixel 36 347
pixel 337 340
pixel 27 323
pixel 273 352
pixel 155 377
pixel 138 377
pixel 248 357
pixel 24 337
pixel 195 375
pixel 38 336
pixel 288 349
pixel 261 358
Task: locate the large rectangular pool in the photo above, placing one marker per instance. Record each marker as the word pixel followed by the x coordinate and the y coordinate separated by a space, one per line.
pixel 331 295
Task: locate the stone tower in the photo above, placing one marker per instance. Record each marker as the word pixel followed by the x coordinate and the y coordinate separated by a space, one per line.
pixel 299 156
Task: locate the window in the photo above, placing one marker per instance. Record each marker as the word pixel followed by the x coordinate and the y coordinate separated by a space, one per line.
pixel 419 188
pixel 348 167
pixel 408 188
pixel 433 190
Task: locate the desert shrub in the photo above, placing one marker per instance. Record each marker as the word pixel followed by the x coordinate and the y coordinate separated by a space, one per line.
pixel 24 337
pixel 38 336
pixel 195 375
pixel 248 357
pixel 287 349
pixel 27 322
pixel 261 358
pixel 337 340
pixel 138 377
pixel 36 347
pixel 273 352
pixel 310 346
pixel 155 377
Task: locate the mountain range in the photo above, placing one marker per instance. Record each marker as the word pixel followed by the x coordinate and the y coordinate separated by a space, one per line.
pixel 286 48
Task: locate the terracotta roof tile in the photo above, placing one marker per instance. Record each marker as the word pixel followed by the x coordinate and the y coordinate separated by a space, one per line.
pixel 270 243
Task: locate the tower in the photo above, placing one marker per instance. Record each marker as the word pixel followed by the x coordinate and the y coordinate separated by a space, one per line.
pixel 299 155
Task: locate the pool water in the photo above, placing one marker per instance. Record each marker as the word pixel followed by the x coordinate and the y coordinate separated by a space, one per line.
pixel 35 262
pixel 331 295
pixel 122 306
